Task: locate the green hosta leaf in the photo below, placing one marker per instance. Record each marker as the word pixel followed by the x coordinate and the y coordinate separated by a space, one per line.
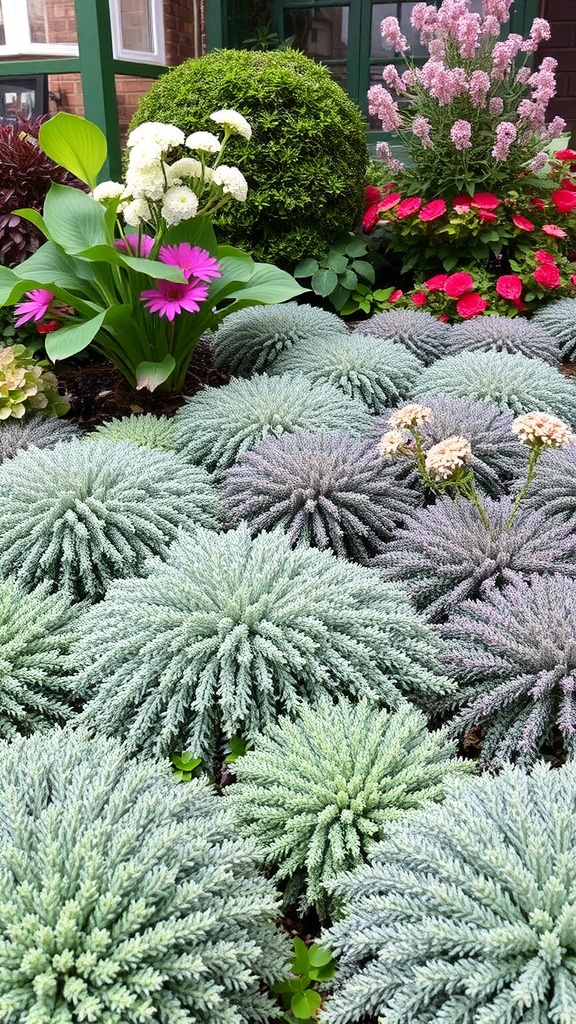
pixel 336 262
pixel 35 218
pixel 197 231
pixel 339 296
pixel 151 375
pixel 318 956
pixel 356 247
pixel 68 341
pixel 301 961
pixel 73 219
pixel 365 270
pixel 324 282
pixel 267 285
pixel 76 144
pixel 305 1004
pixel 51 265
pixel 305 268
pixel 185 762
pixel 347 280
pixel 152 268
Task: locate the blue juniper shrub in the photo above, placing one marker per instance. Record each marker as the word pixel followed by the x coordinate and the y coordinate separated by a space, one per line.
pixel 504 334
pixel 420 332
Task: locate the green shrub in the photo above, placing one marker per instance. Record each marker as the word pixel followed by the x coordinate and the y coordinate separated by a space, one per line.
pixel 147 431
pixel 559 319
pixel 33 432
pixel 307 159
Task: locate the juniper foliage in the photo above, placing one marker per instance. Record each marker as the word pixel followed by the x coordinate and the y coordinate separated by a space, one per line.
pixel 420 332
pixel 504 334
pixel 147 431
pixel 445 553
pixel 327 490
pixel 466 912
pixel 33 432
pixel 318 792
pixel 80 515
pixel 376 372
pixel 559 319
pixel 230 632
pixel 218 424
pixel 553 488
pixel 497 454
pixel 250 340
pixel 512 382
pixel 126 897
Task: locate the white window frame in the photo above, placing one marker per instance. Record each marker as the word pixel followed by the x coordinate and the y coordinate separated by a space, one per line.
pixel 158 53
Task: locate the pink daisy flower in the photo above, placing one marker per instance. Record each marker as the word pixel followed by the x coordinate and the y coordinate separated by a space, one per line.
pixel 554 231
pixel 192 261
pixel 35 308
pixel 129 245
pixel 170 298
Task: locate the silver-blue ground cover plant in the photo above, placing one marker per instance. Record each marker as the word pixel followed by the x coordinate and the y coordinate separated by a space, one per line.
pixel 126 898
pixel 421 333
pixel 146 430
pixel 33 431
pixel 316 793
pixel 466 914
pixel 513 655
pixel 36 632
pixel 376 372
pixel 250 340
pixel 230 632
pixel 504 334
pixel 512 382
pixel 497 455
pixel 218 424
pixel 559 319
pixel 445 553
pixel 553 488
pixel 327 490
pixel 80 515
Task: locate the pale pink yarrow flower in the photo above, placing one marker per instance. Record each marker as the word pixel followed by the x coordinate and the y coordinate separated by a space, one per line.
pixel 479 87
pixel 491 26
pixel 421 129
pixel 391 33
pixel 409 416
pixel 192 261
pixel 424 18
pixel 170 298
pixel 391 78
pixel 392 442
pixel 382 104
pixel 539 33
pixel 555 128
pixel 496 106
pixel 503 55
pixel 444 459
pixel 467 32
pixel 409 78
pixel 523 75
pixel 135 245
pixel 384 152
pixel 539 162
pixel 461 133
pixel 450 13
pixel 534 113
pixel 543 429
pixel 505 136
pixel 35 308
pixel 497 9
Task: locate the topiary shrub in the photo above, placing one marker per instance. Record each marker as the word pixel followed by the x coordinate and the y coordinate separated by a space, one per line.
pixel 147 431
pixel 553 487
pixel 36 631
pixel 33 432
pixel 249 340
pixel 512 382
pixel 559 320
pixel 104 917
pixel 218 424
pixel 230 632
pixel 368 369
pixel 318 792
pixel 80 515
pixel 327 490
pixel 306 162
pixel 465 913
pixel 445 553
pixel 421 333
pixel 504 334
pixel 514 657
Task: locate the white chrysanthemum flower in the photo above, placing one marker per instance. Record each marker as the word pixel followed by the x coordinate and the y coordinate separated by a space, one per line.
pixel 392 441
pixel 231 181
pixel 543 428
pixel 166 136
pixel 179 203
pixel 144 156
pixel 409 416
pixel 187 167
pixel 136 212
pixel 147 184
pixel 107 190
pixel 234 121
pixel 448 456
pixel 205 141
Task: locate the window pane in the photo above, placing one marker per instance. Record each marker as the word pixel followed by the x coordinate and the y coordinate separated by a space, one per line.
pixel 2 31
pixel 52 23
pixel 37 18
pixel 136 25
pixel 378 46
pixel 321 33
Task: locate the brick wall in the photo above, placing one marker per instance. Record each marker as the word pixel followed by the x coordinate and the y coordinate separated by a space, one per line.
pixel 562 45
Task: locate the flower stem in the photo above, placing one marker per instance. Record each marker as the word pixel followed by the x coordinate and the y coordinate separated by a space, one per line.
pixel 535 451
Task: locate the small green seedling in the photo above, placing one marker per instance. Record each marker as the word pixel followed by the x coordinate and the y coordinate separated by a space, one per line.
pixel 301 1000
pixel 238 748
pixel 185 766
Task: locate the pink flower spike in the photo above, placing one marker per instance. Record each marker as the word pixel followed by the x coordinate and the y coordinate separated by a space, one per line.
pixel 192 261
pixel 129 245
pixel 35 308
pixel 170 298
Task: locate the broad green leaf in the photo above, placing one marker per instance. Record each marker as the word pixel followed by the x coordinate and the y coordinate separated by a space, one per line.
pixel 51 265
pixel 267 284
pixel 68 341
pixel 324 282
pixel 322 973
pixel 340 295
pixel 150 375
pixel 76 144
pixel 318 956
pixel 301 960
pixel 197 231
pixel 12 287
pixel 356 247
pixel 35 218
pixel 305 268
pixel 336 262
pixel 305 1004
pixel 365 269
pixel 153 268
pixel 73 219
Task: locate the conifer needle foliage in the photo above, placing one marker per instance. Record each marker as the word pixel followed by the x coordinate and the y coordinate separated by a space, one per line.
pixel 230 632
pixel 81 515
pixel 218 424
pixel 559 319
pixel 553 488
pixel 466 913
pixel 126 898
pixel 504 334
pixel 327 490
pixel 146 430
pixel 33 432
pixel 420 332
pixel 316 793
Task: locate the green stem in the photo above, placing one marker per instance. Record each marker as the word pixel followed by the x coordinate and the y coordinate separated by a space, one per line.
pixel 534 456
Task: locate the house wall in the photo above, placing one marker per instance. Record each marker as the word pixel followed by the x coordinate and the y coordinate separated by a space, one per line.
pixel 562 45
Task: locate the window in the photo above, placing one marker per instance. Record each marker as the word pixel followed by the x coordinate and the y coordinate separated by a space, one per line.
pixel 138 30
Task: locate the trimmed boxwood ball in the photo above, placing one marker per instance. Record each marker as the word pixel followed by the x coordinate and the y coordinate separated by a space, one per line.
pixel 306 161
pixel 33 432
pixel 327 490
pixel 217 425
pixel 230 632
pixel 559 319
pixel 504 334
pixel 465 914
pixel 147 431
pixel 420 332
pixel 375 372
pixel 249 340
pixel 445 554
pixel 513 382
pixel 125 896
pixel 80 515
pixel 318 792
pixel 36 631
pixel 553 487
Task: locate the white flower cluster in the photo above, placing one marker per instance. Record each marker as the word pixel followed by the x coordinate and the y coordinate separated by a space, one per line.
pixel 409 416
pixel 542 428
pixel 445 458
pixel 233 121
pixel 232 182
pixel 392 442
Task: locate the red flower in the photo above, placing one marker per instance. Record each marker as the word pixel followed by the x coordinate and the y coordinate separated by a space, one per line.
pixel 436 284
pixel 509 286
pixel 419 298
pixel 47 328
pixel 573 280
pixel 563 200
pixel 372 195
pixel 409 206
pixel 389 201
pixel 547 276
pixel 396 295
pixel 443 318
pixel 485 200
pixel 458 284
pixel 372 215
pixel 471 305
pixel 433 210
pixel 522 222
pixel 554 231
pixel 544 257
pixel 488 216
pixel 568 185
pixel 520 306
pixel 537 203
pixel 566 154
pixel 462 204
